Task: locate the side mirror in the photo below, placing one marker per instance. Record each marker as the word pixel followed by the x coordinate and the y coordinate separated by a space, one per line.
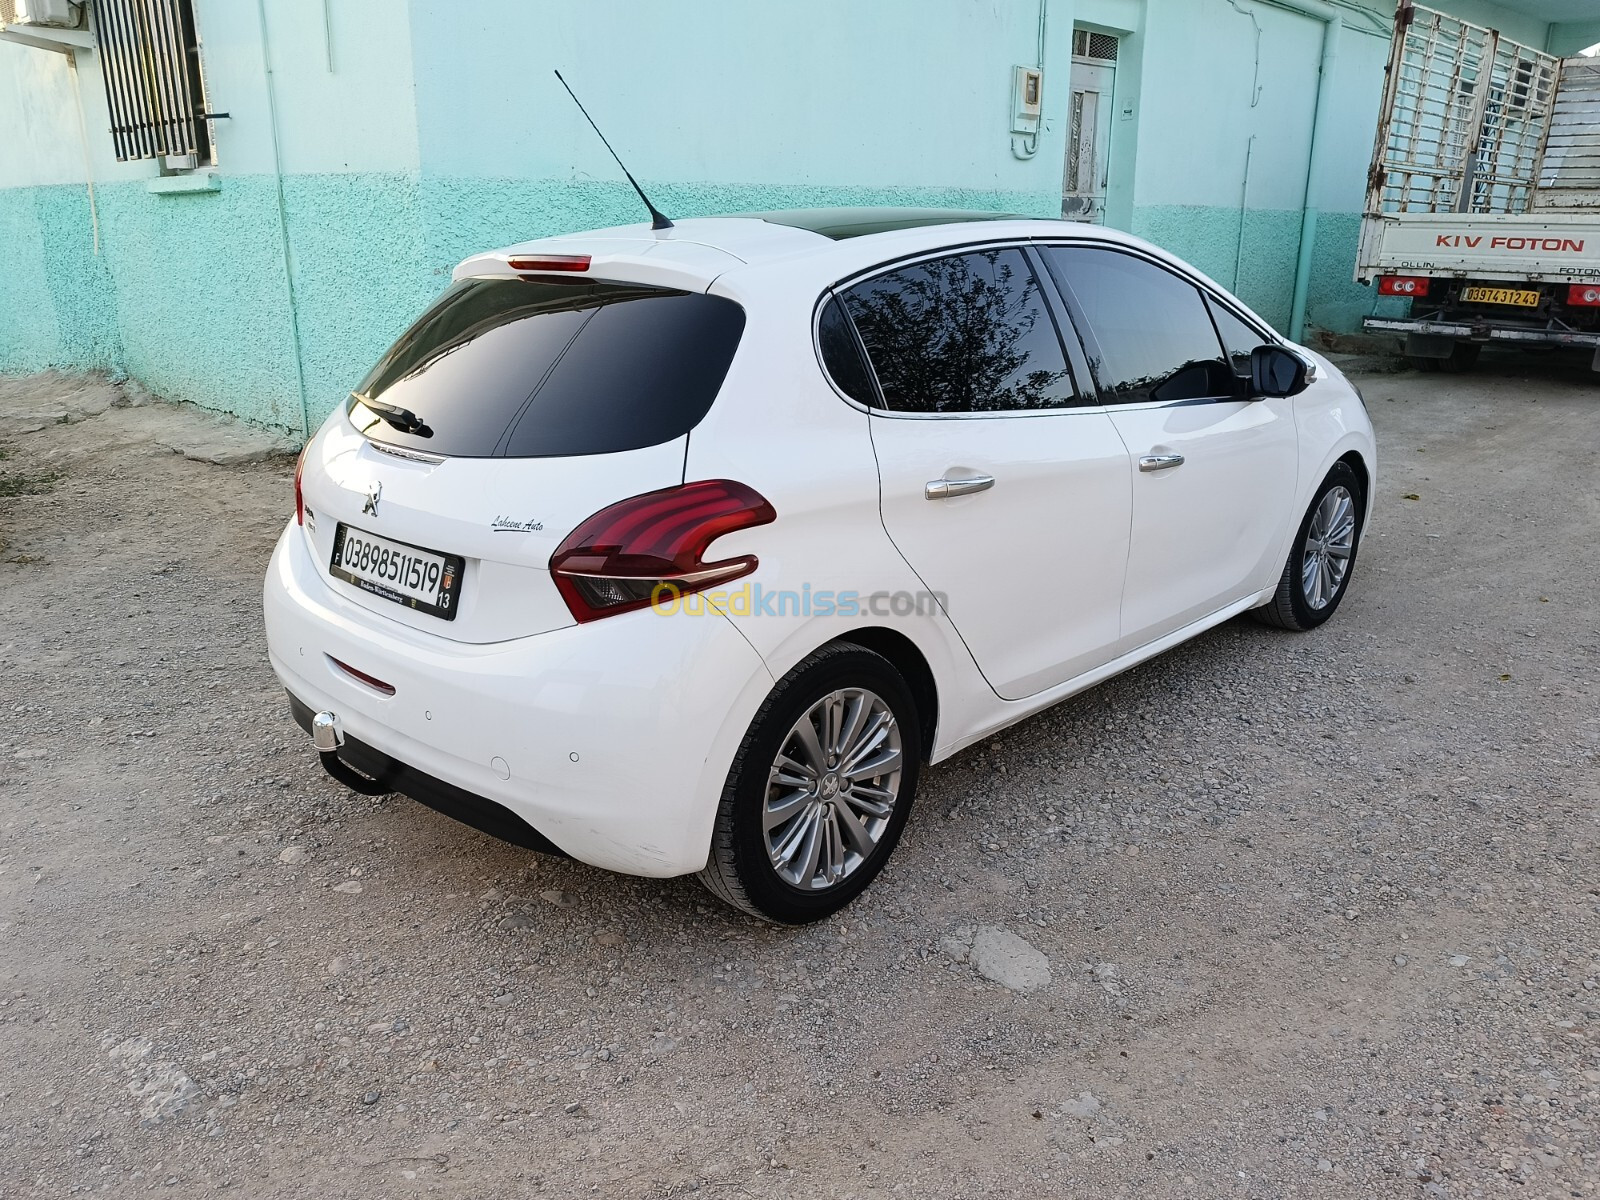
pixel 1276 372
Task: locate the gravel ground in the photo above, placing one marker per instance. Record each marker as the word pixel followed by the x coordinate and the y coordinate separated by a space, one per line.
pixel 1275 915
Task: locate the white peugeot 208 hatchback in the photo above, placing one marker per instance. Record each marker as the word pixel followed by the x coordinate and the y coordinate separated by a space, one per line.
pixel 683 550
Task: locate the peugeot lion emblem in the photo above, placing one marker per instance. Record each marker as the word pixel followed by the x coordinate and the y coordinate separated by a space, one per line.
pixel 374 494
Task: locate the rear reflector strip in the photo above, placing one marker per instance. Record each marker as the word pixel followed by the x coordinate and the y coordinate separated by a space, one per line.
pixel 552 262
pixel 1403 285
pixel 371 681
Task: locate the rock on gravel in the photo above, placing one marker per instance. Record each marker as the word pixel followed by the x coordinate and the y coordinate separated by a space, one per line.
pixel 1085 1106
pixel 1000 956
pixel 161 1088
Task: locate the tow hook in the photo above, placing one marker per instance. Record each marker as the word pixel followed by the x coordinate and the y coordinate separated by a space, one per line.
pixel 327 735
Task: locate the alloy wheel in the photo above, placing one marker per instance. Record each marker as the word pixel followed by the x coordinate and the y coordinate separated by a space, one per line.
pixel 1330 543
pixel 832 789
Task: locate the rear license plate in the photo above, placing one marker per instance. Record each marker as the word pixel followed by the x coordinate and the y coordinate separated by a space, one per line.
pixel 426 580
pixel 1512 296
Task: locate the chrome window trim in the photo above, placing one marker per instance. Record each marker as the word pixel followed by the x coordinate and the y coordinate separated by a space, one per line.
pixel 1151 405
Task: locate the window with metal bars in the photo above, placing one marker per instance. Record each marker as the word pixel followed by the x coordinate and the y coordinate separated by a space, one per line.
pixel 150 56
pixel 1088 44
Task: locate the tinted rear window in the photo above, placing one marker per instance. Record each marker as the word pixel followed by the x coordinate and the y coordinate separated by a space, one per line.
pixel 535 368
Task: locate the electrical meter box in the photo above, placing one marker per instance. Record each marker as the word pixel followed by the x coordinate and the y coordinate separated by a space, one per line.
pixel 1027 94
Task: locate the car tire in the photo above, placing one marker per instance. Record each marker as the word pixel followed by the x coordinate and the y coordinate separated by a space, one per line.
pixel 1310 588
pixel 859 709
pixel 1463 357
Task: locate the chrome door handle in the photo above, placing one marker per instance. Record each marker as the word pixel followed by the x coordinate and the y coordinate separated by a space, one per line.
pixel 1160 462
pixel 946 489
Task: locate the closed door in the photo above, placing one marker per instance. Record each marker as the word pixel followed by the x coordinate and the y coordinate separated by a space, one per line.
pixel 1215 471
pixel 1008 498
pixel 1084 177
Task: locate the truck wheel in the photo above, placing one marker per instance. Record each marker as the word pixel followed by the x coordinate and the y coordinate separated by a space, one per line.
pixel 1463 356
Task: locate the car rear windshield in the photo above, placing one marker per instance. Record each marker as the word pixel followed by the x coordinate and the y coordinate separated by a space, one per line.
pixel 531 368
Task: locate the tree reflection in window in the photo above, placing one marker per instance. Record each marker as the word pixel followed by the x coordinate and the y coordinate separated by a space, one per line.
pixel 969 333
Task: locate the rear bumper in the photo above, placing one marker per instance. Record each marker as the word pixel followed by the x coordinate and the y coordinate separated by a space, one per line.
pixel 612 740
pixel 477 811
pixel 1482 331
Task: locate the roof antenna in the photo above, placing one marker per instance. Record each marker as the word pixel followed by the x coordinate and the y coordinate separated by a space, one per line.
pixel 658 219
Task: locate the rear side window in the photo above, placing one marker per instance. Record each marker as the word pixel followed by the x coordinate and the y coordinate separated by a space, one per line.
pixel 841 355
pixel 535 368
pixel 965 334
pixel 1156 340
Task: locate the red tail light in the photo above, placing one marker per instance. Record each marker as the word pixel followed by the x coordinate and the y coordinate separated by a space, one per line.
pixel 552 262
pixel 1584 295
pixel 1403 285
pixel 614 561
pixel 299 495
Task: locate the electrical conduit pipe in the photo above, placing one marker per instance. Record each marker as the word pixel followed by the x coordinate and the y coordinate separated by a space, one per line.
pixel 1332 26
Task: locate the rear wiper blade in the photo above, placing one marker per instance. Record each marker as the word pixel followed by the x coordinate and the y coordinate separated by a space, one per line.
pixel 402 419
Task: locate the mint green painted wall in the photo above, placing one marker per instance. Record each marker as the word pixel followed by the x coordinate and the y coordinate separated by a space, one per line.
pixel 190 294
pixel 881 95
pixel 1573 37
pixel 1518 26
pixel 1199 63
pixel 200 298
pixel 1225 187
pixel 362 272
pixel 55 296
pixel 41 143
pixel 1221 139
pixel 30 334
pixel 1251 253
pixel 75 278
pixel 271 296
pixel 232 301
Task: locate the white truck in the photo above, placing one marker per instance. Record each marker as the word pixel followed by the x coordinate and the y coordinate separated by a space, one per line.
pixel 1483 202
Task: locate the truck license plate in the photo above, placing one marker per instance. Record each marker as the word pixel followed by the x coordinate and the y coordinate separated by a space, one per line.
pixel 1488 295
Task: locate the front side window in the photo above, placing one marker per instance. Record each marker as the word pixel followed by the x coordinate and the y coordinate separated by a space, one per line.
pixel 965 334
pixel 1238 339
pixel 1156 340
